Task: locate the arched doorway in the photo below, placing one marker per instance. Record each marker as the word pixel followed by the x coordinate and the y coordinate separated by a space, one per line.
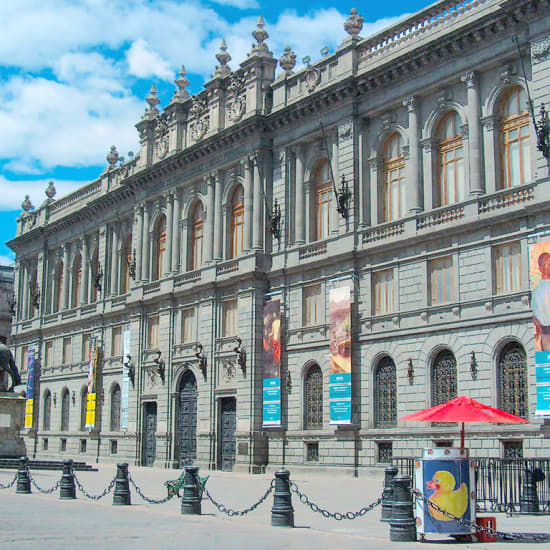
pixel 187 420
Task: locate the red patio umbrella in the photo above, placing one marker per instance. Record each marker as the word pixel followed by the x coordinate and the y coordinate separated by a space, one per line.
pixel 464 409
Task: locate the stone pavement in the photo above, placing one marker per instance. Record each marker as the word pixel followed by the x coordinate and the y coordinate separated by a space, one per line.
pixel 43 521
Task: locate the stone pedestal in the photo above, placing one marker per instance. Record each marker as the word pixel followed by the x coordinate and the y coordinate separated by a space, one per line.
pixel 12 421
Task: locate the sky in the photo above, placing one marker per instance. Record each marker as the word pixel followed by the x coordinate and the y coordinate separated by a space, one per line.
pixel 74 74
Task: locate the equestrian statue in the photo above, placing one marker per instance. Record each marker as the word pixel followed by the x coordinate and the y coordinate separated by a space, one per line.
pixel 8 364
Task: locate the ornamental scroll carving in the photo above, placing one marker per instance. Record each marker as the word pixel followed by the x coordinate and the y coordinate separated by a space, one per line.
pixel 161 136
pixel 540 50
pixel 229 372
pixel 236 103
pixel 201 123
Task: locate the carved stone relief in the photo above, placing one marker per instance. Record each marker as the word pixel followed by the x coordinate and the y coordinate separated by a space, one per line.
pixel 540 50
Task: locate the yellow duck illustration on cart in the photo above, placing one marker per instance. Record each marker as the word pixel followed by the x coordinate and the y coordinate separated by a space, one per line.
pixel 445 496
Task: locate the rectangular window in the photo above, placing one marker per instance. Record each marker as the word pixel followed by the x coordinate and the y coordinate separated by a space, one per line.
pixel 153 332
pixel 63 445
pixel 49 353
pixel 45 444
pixel 230 318
pixel 82 445
pixel 441 280
pixel 312 452
pixel 312 306
pixel 86 347
pixel 188 325
pixel 114 446
pixel 507 268
pixel 385 453
pixel 116 345
pixel 383 291
pixel 67 350
pixel 512 449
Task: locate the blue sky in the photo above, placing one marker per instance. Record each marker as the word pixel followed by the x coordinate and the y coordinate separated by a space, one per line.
pixel 74 74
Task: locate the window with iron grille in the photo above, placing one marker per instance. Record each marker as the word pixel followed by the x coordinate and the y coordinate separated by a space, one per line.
pixel 313 398
pixel 512 449
pixel 312 452
pixel 45 444
pixel 385 394
pixel 46 422
pixel 82 445
pixel 62 445
pixel 512 380
pixel 385 452
pixel 65 410
pixel 443 378
pixel 114 446
pixel 115 409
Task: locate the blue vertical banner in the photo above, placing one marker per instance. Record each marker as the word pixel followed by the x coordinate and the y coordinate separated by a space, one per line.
pixel 340 356
pixel 29 406
pixel 125 378
pixel 272 364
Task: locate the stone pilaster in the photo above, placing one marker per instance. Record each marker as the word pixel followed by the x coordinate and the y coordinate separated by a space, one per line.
pixel 474 133
pixel 257 210
pixel 414 184
pixel 300 214
pixel 210 217
pixel 248 204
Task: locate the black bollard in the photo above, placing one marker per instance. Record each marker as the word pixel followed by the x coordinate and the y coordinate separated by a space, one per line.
pixel 282 513
pixel 402 524
pixel 23 480
pixel 387 493
pixel 192 493
pixel 529 500
pixel 121 496
pixel 67 488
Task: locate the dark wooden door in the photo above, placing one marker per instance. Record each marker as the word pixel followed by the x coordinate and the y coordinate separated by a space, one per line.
pixel 228 422
pixel 149 438
pixel 187 421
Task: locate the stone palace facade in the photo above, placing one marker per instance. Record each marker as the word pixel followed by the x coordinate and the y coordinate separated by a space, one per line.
pixel 166 260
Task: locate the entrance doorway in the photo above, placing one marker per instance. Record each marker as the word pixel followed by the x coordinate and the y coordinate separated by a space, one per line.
pixel 228 425
pixel 149 436
pixel 186 452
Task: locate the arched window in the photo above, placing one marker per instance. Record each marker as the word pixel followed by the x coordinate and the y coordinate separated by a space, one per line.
pixel 512 380
pixel 65 403
pixel 159 243
pixel 237 222
pixel 385 394
pixel 515 138
pixel 393 187
pixel 95 270
pixel 47 415
pixel 77 281
pixel 115 409
pixel 126 259
pixel 323 201
pixel 313 398
pixel 451 160
pixel 83 404
pixel 443 378
pixel 197 236
pixel 59 286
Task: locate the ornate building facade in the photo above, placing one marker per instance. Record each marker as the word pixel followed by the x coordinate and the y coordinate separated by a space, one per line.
pixel 6 301
pixel 403 166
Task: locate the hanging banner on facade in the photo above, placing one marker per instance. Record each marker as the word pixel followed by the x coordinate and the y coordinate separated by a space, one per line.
pixel 340 356
pixel 539 274
pixel 272 364
pixel 125 378
pixel 29 406
pixel 92 373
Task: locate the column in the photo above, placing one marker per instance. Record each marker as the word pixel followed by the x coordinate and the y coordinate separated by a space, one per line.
pixel 300 213
pixel 167 260
pixel 84 281
pixel 218 221
pixel 257 209
pixel 24 293
pixel 66 272
pixel 210 215
pixel 413 190
pixel 176 233
pixel 474 133
pixel 248 204
pixel 145 252
pixel 114 262
pixel 137 238
pixel 334 216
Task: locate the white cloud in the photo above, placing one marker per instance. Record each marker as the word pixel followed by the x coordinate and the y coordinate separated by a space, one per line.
pixel 7 260
pixel 145 63
pixel 241 4
pixel 12 193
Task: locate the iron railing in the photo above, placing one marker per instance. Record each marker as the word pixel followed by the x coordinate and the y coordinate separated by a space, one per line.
pixel 499 481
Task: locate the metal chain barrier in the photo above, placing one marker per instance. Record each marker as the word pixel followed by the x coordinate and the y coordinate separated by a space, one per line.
pixel 333 515
pixel 533 537
pixel 147 499
pixel 39 489
pixel 107 490
pixel 10 484
pixel 229 511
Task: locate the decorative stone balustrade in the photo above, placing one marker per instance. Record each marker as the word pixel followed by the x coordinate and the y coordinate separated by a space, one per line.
pixel 227 267
pixel 440 216
pixel 506 198
pixel 387 231
pixel 188 277
pixel 312 250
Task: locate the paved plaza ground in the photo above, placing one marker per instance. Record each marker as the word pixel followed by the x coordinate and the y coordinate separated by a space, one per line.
pixel 43 521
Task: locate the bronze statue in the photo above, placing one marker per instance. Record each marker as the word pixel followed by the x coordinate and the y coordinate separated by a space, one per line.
pixel 8 364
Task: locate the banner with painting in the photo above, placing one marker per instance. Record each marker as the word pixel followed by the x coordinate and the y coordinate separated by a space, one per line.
pixel 539 274
pixel 29 406
pixel 340 356
pixel 272 364
pixel 92 375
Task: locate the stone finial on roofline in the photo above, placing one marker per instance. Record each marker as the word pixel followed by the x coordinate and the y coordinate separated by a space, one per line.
pixel 181 83
pixel 224 58
pixel 288 60
pixel 260 35
pixel 153 101
pixel 354 23
pixel 27 205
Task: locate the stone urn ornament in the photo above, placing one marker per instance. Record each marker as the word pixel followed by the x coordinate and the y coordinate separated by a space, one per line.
pixel 27 205
pixel 50 191
pixel 288 60
pixel 112 156
pixel 354 23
